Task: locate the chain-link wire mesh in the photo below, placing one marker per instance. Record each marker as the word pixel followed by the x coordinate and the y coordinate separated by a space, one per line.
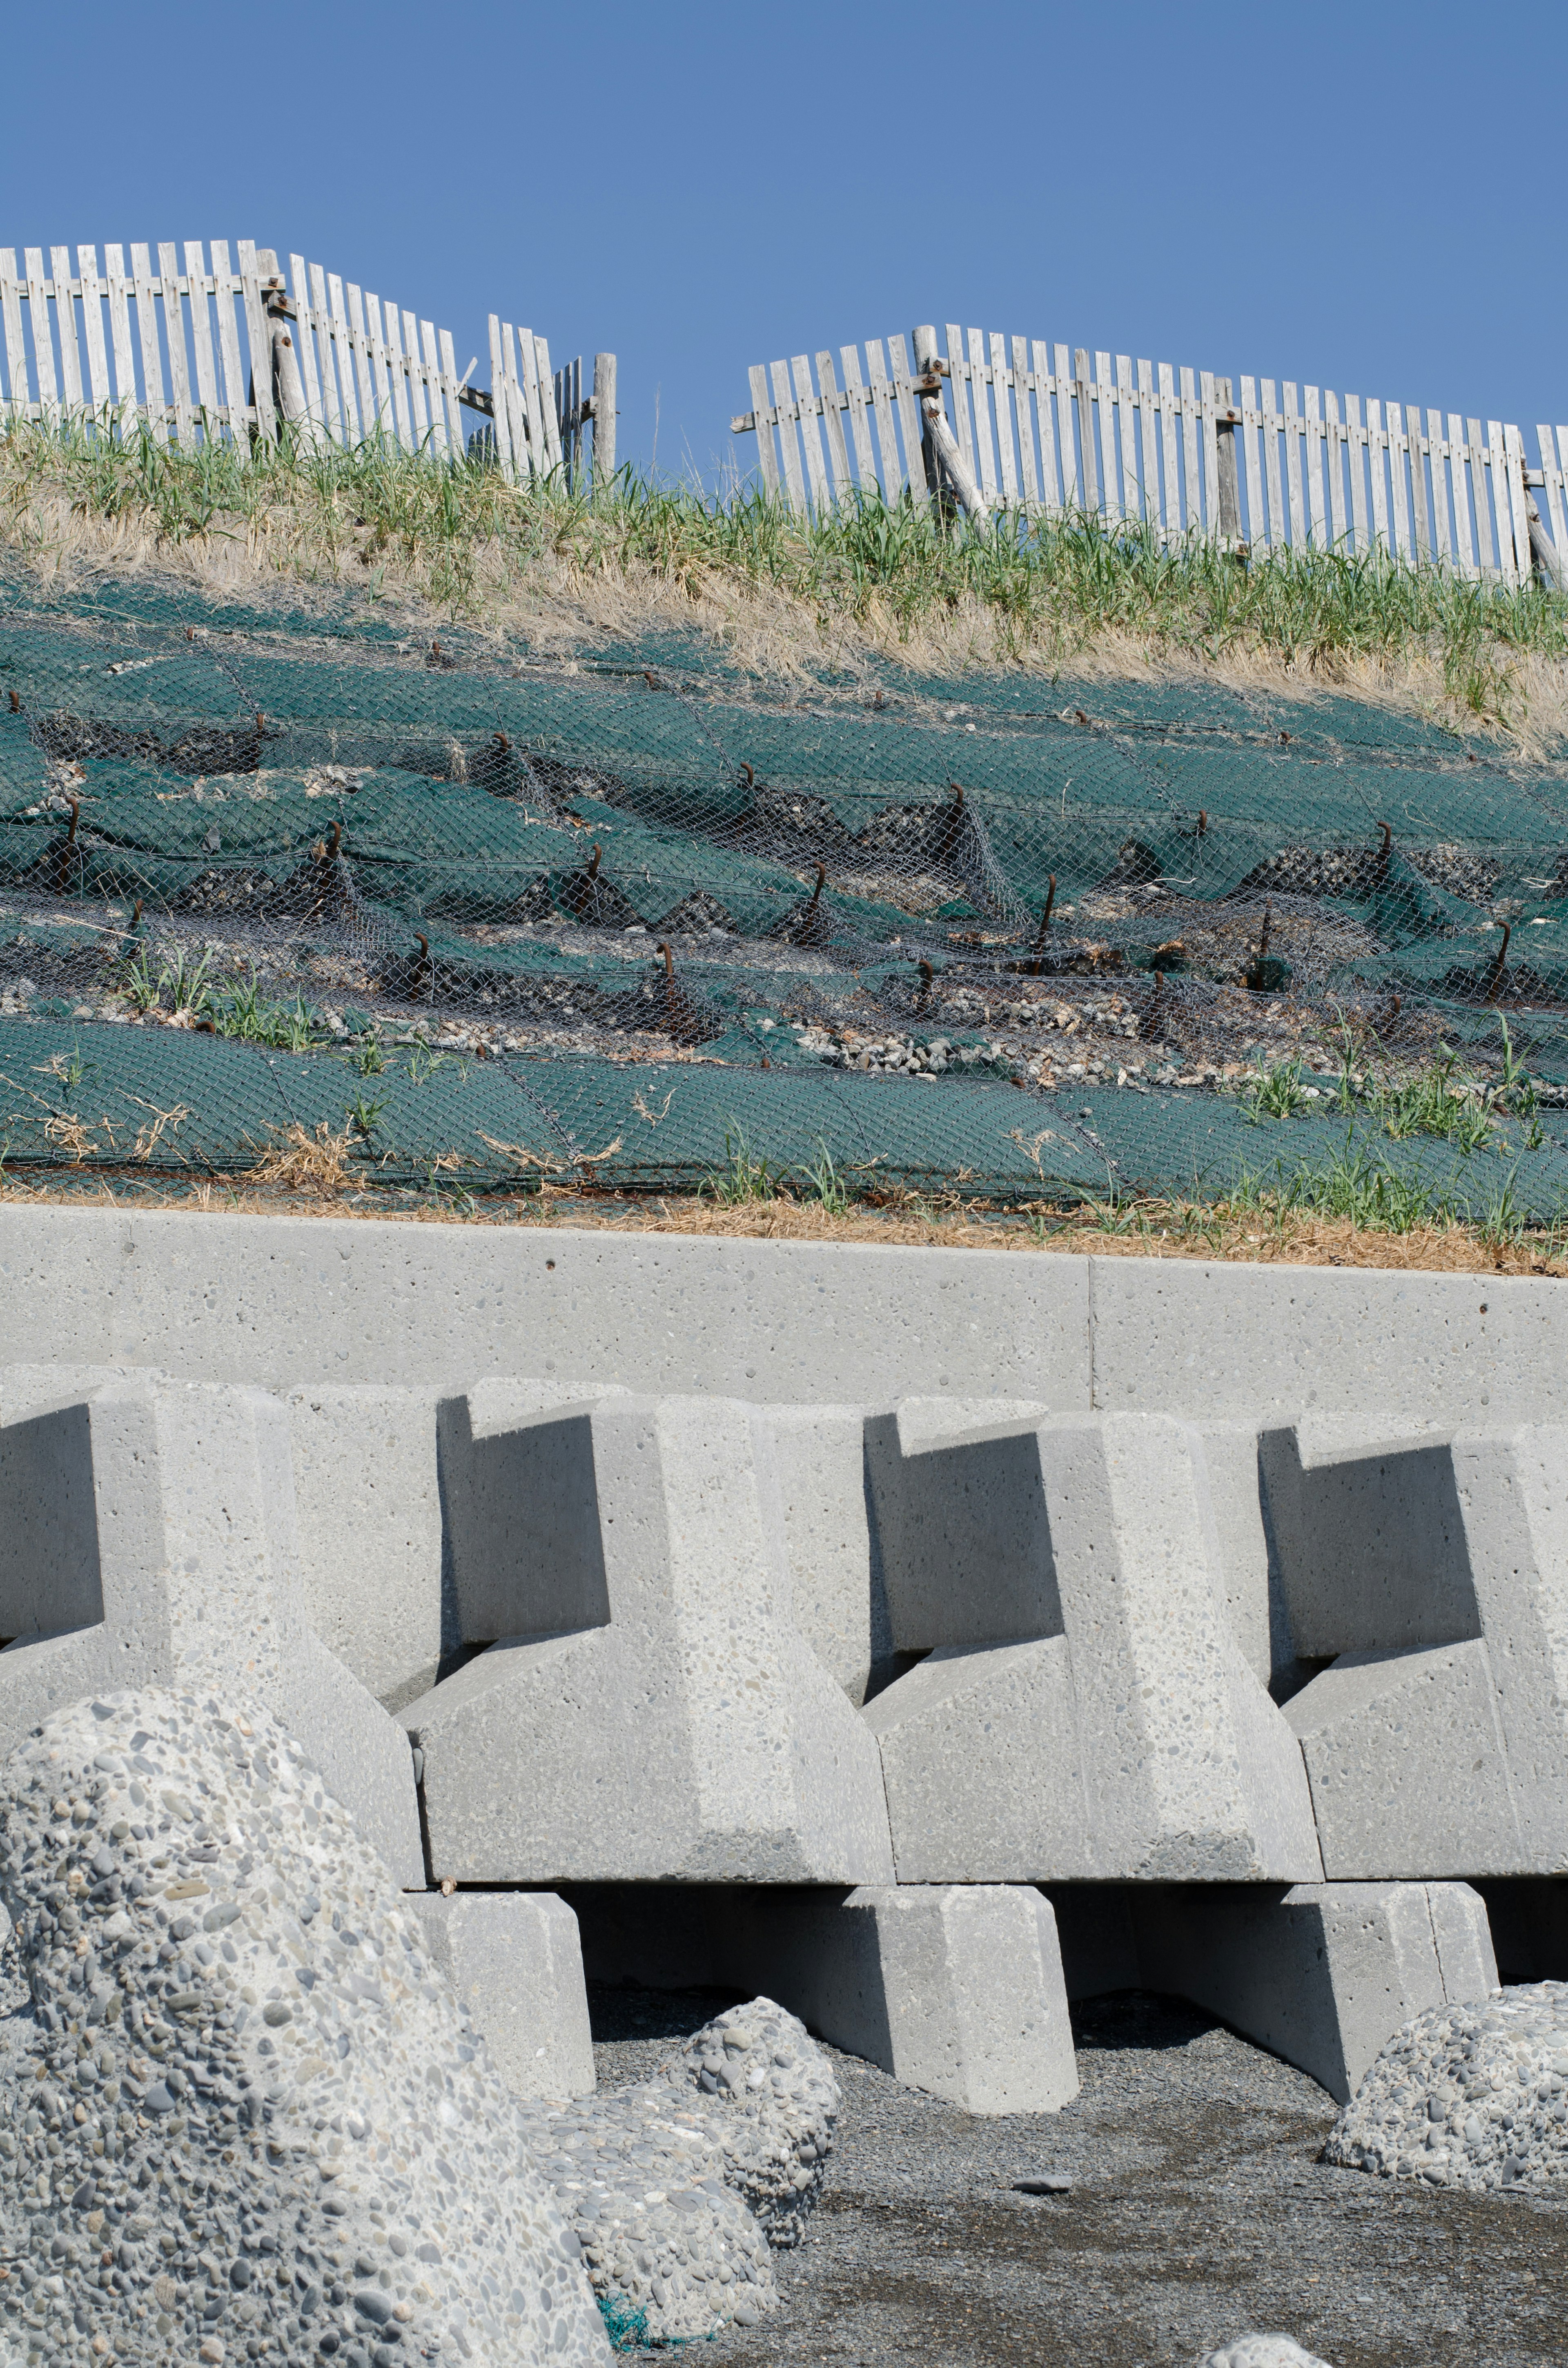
pixel 292 873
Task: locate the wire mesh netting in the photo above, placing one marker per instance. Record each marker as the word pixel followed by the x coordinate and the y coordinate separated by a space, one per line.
pixel 297 872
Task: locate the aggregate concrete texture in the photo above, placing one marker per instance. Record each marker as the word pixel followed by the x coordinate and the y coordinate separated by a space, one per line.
pixel 1434 1576
pixel 282 1301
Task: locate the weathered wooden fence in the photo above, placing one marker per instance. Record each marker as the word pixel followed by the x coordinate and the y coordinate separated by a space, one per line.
pixel 1015 424
pixel 199 347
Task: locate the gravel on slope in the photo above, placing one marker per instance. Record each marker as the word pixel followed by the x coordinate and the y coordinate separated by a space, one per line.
pixel 1199 2210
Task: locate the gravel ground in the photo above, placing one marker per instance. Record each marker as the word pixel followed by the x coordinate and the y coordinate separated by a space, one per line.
pixel 1197 2210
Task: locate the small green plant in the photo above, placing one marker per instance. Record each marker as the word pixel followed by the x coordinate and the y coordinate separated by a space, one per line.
pixel 185 976
pixel 423 1064
pixel 370 1054
pixel 743 1176
pixel 1442 1099
pixel 363 1116
pixel 137 983
pixel 245 1012
pixel 828 1190
pixel 1275 1089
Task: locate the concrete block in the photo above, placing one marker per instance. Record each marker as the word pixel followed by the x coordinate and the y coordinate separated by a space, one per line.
pixel 1087 1712
pixel 831 1541
pixel 1321 1974
pixel 370 1521
pixel 954 1989
pixel 515 1962
pixel 1184 1337
pixel 184 1569
pixel 278 1301
pixel 1434 1571
pixel 1405 1756
pixel 655 1713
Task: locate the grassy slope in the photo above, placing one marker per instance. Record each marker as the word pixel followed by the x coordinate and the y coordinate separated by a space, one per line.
pixel 779 593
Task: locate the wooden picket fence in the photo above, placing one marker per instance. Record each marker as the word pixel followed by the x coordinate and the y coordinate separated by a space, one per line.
pixel 200 347
pixel 1038 429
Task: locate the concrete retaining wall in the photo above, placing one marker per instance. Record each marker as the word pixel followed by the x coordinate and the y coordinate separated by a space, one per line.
pixel 284 1301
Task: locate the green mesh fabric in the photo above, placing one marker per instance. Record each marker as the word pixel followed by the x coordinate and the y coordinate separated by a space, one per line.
pixel 484 914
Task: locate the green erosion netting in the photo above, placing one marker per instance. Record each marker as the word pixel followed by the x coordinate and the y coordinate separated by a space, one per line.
pixel 477 915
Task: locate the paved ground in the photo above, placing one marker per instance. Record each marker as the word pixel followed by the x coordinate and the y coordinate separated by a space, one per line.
pixel 1197 2210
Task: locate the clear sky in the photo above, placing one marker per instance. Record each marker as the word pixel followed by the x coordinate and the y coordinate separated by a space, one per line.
pixel 1369 196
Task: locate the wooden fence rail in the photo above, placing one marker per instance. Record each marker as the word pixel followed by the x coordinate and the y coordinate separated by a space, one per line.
pixel 197 347
pixel 1038 429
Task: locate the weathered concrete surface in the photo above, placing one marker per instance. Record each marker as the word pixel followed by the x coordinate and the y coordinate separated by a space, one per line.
pixel 1323 1974
pixel 1084 1709
pixel 653 1714
pixel 176 1562
pixel 284 1301
pixel 1434 1572
pixel 515 1962
pixel 955 1988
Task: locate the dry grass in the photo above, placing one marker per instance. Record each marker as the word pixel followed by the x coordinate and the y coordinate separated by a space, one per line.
pixel 779 597
pixel 306 1176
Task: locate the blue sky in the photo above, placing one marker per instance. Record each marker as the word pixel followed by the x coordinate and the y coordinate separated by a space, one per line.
pixel 1366 196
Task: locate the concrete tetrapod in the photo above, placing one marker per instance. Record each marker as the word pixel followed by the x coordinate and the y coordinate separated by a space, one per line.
pixel 150 1537
pixel 1433 1573
pixel 515 1961
pixel 652 1710
pixel 1083 1709
pixel 241 2076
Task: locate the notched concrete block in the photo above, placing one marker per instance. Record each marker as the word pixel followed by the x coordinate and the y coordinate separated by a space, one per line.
pixel 176 1561
pixel 1087 1709
pixel 656 1713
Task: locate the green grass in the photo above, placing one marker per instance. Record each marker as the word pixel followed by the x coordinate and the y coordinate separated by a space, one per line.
pixel 465 537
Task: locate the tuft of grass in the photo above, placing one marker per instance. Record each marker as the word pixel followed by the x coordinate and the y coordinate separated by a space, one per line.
pixel 1274 1090
pixel 827 1189
pixel 244 1012
pixel 1039 591
pixel 743 1177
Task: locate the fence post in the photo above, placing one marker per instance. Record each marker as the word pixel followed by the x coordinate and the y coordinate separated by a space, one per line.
pixel 938 445
pixel 283 361
pixel 1225 459
pixel 604 420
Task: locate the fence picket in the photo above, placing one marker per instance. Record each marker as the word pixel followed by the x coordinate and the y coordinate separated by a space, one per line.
pixel 1458 455
pixel 811 435
pixel 501 412
pixel 44 340
pixel 767 453
pixel 15 343
pixel 986 450
pixel 1356 458
pixel 1552 487
pixel 118 289
pixel 235 403
pixel 92 326
pixel 179 356
pixel 1003 391
pixel 860 421
pixel 1420 507
pixel 1442 546
pixel 832 426
pixel 1393 421
pixel 311 337
pixel 1294 467
pixel 1084 404
pixel 201 334
pixel 908 414
pixel 794 483
pixel 1208 399
pixel 1256 535
pixel 71 385
pixel 958 380
pixel 1486 549
pixel 1028 477
pixel 258 335
pixel 1105 410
